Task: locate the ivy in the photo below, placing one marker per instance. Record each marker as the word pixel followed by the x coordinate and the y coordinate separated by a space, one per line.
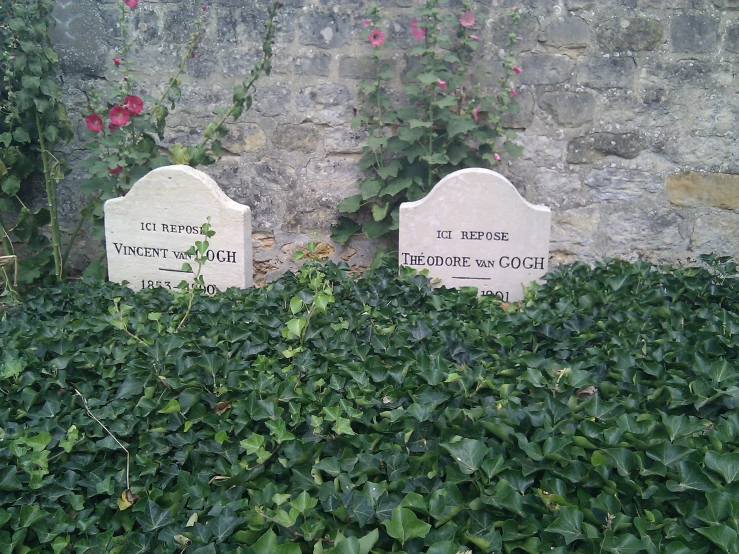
pixel 598 415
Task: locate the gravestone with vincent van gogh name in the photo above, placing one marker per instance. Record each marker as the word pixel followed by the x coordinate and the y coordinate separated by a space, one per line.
pixel 475 229
pixel 148 231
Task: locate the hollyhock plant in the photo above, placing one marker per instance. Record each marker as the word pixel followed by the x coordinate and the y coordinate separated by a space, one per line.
pixel 118 116
pixel 133 104
pixel 496 156
pixel 467 19
pixel 442 84
pixel 131 3
pixel 94 122
pixel 376 38
pixel 117 61
pixel 517 70
pixel 417 32
pixel 367 22
pixel 475 38
pixel 115 170
pixel 476 112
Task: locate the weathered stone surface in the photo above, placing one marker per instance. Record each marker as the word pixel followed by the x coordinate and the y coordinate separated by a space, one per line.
pixel 621 34
pixel 475 229
pixel 606 72
pixel 659 230
pixel 545 69
pixel 525 114
pixel 328 104
pixel 575 5
pixel 568 32
pixel 296 137
pixel 79 36
pixel 716 231
pixel 570 109
pixel 359 68
pixel 344 141
pixel 704 189
pixel 560 190
pixel 694 32
pixel 595 146
pixel 243 138
pixel 576 233
pixel 148 231
pixel 621 185
pixel 325 30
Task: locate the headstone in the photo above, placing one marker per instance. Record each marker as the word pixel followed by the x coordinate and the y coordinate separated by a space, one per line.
pixel 148 231
pixel 475 229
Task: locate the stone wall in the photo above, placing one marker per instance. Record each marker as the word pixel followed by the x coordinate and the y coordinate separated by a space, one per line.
pixel 627 113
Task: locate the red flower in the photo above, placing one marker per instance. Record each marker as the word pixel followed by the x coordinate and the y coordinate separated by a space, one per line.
pixel 442 84
pixel 367 22
pixel 117 169
pixel 133 104
pixel 94 122
pixel 496 156
pixel 131 3
pixel 376 37
pixel 513 93
pixel 475 112
pixel 467 20
pixel 117 61
pixel 118 116
pixel 417 32
pixel 475 37
pixel 517 70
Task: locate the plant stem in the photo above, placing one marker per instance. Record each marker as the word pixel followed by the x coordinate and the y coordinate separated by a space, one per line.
pixel 7 244
pixel 77 228
pixel 51 198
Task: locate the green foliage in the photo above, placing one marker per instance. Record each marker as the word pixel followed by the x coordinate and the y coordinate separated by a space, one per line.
pixel 598 416
pixel 443 125
pixel 32 121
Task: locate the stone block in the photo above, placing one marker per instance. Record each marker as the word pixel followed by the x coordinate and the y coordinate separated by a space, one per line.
pixel 344 141
pixel 545 69
pixel 694 33
pixel 716 231
pixel 80 36
pixel 525 114
pixel 568 32
pixel 560 190
pixel 621 185
pixel 272 100
pixel 731 38
pixel 569 109
pixel 632 230
pixel 719 190
pixel 595 146
pixel 325 30
pixel 726 4
pixel 576 5
pixel 327 104
pixel 361 68
pixel 621 34
pixel 606 72
pixel 243 138
pixel 296 137
pixel 317 63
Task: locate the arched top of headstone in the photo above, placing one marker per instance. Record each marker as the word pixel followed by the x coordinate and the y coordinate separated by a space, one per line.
pixel 472 186
pixel 148 231
pixel 475 229
pixel 184 181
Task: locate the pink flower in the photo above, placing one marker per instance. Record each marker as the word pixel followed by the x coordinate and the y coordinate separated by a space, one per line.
pixel 475 112
pixel 513 93
pixel 131 3
pixel 467 20
pixel 475 37
pixel 117 169
pixel 118 116
pixel 442 84
pixel 133 104
pixel 376 37
pixel 204 8
pixel 367 22
pixel 417 32
pixel 517 70
pixel 496 156
pixel 94 122
pixel 117 61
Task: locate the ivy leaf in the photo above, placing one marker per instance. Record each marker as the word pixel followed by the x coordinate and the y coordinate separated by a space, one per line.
pixel 722 535
pixel 224 524
pixel 468 453
pixel 568 524
pixel 154 517
pixel 404 525
pixel 727 465
pixel 304 502
pixel 342 426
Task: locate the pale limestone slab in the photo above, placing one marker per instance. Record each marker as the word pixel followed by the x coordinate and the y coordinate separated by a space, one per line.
pixel 148 231
pixel 475 229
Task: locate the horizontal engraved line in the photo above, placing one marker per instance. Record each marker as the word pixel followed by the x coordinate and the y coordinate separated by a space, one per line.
pixel 174 270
